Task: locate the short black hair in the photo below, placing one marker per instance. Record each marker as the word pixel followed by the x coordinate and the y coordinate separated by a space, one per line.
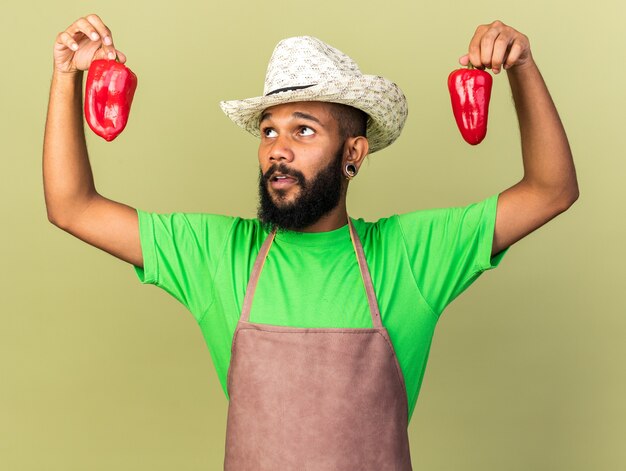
pixel 352 121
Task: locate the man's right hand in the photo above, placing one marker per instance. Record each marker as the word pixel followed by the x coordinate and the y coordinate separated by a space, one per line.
pixel 72 202
pixel 85 40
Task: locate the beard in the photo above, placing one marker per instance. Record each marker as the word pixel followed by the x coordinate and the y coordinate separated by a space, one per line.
pixel 318 196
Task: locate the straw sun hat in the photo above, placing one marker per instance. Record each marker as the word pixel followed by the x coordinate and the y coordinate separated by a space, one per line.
pixel 304 68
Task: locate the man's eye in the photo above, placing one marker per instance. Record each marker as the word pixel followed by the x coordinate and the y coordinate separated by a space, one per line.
pixel 306 131
pixel 269 132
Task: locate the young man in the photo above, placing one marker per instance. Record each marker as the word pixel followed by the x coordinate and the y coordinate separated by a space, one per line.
pixel 319 325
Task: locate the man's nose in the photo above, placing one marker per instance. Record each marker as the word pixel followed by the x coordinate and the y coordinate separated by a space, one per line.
pixel 281 150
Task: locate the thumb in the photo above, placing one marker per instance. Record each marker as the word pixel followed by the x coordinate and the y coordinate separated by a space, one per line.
pixel 120 56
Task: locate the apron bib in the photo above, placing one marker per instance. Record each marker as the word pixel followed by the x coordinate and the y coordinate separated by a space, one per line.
pixel 315 399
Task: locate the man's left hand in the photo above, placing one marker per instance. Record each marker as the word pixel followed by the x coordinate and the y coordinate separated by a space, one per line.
pixel 496 46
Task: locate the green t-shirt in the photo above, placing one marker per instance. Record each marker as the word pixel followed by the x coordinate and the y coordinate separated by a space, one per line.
pixel 419 262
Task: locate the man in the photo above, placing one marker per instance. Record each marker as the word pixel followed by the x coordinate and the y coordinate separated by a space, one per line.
pixel 319 325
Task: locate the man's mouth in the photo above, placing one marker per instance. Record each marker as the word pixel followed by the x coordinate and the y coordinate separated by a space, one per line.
pixel 279 181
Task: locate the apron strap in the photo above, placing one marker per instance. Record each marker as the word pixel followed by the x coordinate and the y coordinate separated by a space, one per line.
pixel 365 275
pixel 254 277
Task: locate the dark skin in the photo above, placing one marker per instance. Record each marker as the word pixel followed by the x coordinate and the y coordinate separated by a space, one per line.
pixel 305 136
pixel 548 187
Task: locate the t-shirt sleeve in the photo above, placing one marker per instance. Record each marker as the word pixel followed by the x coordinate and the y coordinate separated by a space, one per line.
pixel 180 254
pixel 449 248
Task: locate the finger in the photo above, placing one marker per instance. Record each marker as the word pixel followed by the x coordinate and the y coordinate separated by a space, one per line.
pixel 83 26
pixel 500 52
pixel 487 43
pixel 66 40
pixel 514 54
pixel 464 60
pixel 95 31
pixel 102 29
pixel 474 46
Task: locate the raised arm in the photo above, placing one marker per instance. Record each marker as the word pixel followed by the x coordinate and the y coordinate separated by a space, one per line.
pixel 549 186
pixel 72 202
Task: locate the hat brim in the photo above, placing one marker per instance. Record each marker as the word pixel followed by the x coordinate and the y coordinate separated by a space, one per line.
pixel 381 99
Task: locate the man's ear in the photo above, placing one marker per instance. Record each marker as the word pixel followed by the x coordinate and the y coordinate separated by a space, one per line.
pixel 355 151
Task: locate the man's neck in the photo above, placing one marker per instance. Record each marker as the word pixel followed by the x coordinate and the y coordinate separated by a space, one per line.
pixel 335 219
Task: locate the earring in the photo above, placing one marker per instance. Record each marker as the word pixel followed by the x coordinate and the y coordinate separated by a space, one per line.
pixel 350 171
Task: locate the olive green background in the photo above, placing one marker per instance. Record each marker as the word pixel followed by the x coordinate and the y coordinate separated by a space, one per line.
pixel 99 372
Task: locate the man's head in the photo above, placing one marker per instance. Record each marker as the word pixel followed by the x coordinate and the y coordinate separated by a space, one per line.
pixel 318 117
pixel 303 153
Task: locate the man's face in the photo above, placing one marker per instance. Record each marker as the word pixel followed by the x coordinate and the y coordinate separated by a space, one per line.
pixel 300 159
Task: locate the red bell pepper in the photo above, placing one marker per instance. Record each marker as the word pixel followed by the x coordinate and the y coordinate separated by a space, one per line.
pixel 470 92
pixel 109 93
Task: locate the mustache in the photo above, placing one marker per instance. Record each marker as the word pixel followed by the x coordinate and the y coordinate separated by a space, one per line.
pixel 283 170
